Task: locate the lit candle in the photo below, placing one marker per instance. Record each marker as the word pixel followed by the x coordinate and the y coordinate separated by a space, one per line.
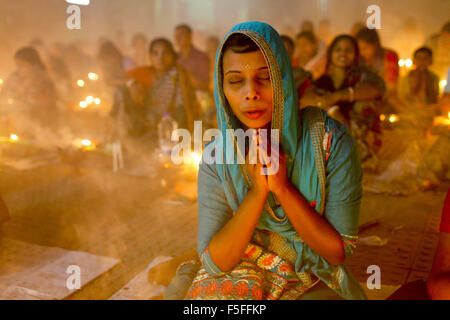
pixel 83 104
pixel 92 76
pixel 393 118
pixel 89 99
pixel 442 84
pixel 80 83
pixel 408 63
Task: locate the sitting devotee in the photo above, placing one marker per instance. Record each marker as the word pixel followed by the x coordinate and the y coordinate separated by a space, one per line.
pixel 350 93
pixel 29 88
pixel 113 64
pixel 307 25
pixel 356 27
pixel 437 286
pixel 130 110
pixel 168 87
pixel 303 79
pixel 420 84
pixel 440 44
pixel 211 48
pixel 191 58
pixel 60 73
pixel 309 56
pixel 209 112
pixel 383 62
pixel 324 31
pixel 280 236
pixel 139 44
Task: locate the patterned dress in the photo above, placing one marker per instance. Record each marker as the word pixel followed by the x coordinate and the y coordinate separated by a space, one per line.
pixel 322 162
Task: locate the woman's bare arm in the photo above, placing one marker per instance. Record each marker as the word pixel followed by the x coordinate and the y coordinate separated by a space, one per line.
pixel 228 245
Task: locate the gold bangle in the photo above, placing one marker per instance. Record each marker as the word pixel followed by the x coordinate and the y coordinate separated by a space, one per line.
pixel 351 93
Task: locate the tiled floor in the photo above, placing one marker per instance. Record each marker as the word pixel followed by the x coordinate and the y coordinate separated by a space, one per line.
pixel 129 218
pixel 412 232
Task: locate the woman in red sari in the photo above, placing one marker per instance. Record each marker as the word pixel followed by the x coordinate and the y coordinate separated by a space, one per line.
pixel 351 94
pixel 382 61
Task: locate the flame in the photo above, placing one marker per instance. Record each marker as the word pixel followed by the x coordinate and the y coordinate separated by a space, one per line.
pixel 408 63
pixel 1 81
pixel 83 104
pixel 382 117
pixel 196 158
pixel 442 83
pixel 86 142
pixel 97 101
pixel 401 63
pixel 14 137
pixel 93 76
pixel 393 118
pixel 80 83
pixel 89 99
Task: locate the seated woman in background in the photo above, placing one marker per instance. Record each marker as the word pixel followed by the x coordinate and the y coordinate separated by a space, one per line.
pixel 351 94
pixel 29 90
pixel 382 61
pixel 171 90
pixel 286 235
pixel 161 87
pixel 310 56
pixel 303 78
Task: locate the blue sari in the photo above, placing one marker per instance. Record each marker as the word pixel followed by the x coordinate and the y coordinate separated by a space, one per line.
pixel 330 181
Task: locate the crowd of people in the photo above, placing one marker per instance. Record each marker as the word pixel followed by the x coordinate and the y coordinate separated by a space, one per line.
pixel 352 76
pixel 249 224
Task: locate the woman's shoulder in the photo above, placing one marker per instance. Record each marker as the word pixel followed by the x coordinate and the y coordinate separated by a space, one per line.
pixel 313 115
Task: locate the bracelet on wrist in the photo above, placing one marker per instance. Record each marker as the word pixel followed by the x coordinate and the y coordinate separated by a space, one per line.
pixel 351 93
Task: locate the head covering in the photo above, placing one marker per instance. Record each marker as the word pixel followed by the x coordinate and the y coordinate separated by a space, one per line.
pixel 302 169
pixel 30 55
pixel 285 118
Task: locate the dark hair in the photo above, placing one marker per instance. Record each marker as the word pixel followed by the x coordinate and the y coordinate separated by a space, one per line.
pixel 370 36
pixel 108 50
pixel 446 27
pixel 165 42
pixel 335 42
pixel 308 35
pixel 29 55
pixel 425 50
pixel 288 40
pixel 185 27
pixel 239 43
pixel 138 37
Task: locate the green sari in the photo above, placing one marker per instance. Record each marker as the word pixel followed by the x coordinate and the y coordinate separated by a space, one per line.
pixel 278 264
